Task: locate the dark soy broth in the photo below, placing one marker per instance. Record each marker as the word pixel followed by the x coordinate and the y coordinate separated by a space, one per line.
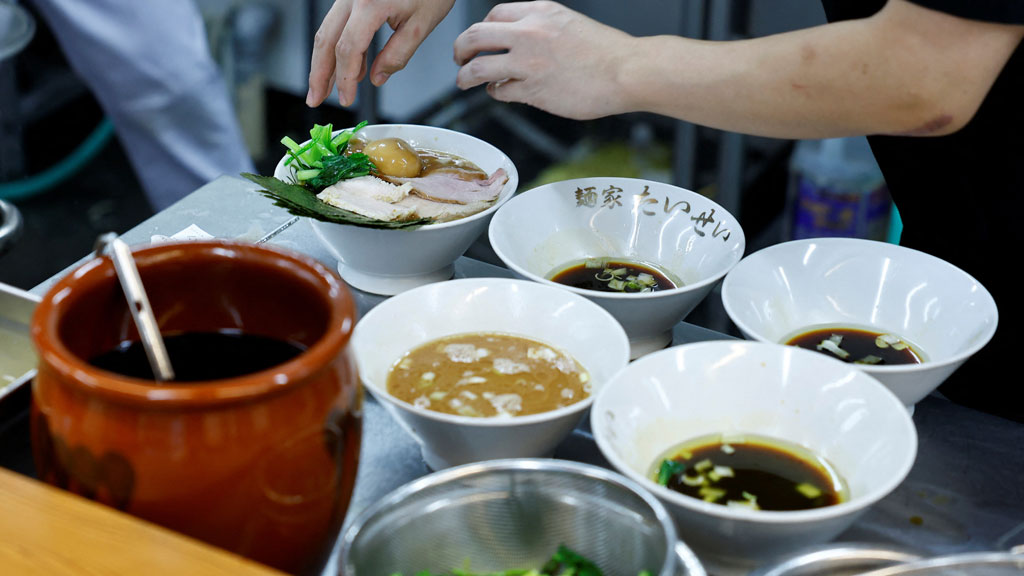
pixel 763 474
pixel 858 346
pixel 613 275
pixel 199 356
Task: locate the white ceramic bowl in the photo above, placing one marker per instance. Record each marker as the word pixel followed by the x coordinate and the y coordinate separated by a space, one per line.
pixel 780 290
pixel 546 228
pixel 391 261
pixel 789 393
pixel 566 321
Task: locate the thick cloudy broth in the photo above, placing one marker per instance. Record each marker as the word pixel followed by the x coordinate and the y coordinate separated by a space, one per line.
pixel 488 374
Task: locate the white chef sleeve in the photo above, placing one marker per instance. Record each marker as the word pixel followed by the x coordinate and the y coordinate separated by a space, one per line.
pixel 149 65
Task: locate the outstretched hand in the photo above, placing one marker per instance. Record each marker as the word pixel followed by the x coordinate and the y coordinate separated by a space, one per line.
pixel 339 49
pixel 548 56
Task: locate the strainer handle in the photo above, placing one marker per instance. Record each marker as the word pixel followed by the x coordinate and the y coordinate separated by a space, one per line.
pixel 687 563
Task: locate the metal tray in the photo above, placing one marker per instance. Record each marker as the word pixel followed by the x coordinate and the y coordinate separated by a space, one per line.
pixel 17 356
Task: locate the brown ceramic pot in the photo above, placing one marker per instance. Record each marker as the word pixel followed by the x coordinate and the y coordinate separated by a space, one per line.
pixel 261 464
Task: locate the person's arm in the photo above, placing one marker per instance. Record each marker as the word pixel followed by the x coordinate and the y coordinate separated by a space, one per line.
pixel 339 48
pixel 906 70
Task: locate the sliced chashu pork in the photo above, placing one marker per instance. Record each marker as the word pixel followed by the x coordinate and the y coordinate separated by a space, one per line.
pixel 441 186
pixel 442 211
pixel 371 197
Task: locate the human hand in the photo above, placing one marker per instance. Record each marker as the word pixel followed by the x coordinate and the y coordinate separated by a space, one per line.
pixel 339 48
pixel 550 57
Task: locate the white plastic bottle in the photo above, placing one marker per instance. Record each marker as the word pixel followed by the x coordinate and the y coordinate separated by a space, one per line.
pixel 837 189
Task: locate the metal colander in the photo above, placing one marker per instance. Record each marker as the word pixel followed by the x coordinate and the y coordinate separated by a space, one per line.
pixel 507 514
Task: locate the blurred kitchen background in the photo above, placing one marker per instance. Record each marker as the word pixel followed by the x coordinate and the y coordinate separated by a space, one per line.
pixel 49 122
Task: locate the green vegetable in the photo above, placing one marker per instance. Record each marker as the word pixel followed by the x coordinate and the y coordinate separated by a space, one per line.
pixel 337 168
pixel 322 162
pixel 669 468
pixel 301 201
pixel 565 562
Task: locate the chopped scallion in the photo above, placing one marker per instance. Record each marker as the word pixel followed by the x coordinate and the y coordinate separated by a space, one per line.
pixel 834 348
pixel 711 494
pixel 724 472
pixel 693 480
pixel 809 490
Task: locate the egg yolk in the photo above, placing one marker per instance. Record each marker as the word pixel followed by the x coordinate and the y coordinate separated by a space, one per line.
pixel 394 157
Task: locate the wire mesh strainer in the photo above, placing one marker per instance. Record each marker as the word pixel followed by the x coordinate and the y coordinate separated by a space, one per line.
pixel 507 514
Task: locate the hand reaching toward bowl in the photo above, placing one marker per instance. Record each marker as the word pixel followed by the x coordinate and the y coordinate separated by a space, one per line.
pixel 537 53
pixel 548 56
pixel 790 85
pixel 340 45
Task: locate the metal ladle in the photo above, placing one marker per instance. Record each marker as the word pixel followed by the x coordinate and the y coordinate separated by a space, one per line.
pixel 138 303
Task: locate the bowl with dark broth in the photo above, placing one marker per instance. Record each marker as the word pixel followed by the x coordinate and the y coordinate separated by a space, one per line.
pixel 757 449
pixel 904 317
pixel 480 369
pixel 646 251
pixel 253 447
pixel 445 184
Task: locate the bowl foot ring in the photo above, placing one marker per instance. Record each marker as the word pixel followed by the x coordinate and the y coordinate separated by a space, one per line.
pixel 642 346
pixel 391 285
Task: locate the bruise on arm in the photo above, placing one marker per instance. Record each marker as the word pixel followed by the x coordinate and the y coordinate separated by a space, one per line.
pixel 954 62
pixel 929 128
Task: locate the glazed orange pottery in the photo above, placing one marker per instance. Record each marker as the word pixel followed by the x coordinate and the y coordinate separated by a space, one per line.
pixel 261 464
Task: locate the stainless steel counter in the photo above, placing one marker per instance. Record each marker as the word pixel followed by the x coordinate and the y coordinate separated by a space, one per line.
pixel 965 492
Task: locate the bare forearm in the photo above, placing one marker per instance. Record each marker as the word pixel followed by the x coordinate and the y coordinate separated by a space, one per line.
pixel 856 77
pixel 905 70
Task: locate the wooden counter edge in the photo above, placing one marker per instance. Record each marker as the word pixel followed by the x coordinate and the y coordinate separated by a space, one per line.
pixel 47 531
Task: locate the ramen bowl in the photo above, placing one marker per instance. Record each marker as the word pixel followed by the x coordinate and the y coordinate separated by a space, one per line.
pixel 512 514
pixel 556 318
pixel 736 388
pixel 786 289
pixel 387 262
pixel 686 235
pixel 261 463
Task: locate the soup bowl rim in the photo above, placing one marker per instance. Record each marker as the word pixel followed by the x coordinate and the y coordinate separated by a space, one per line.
pixel 854 504
pixel 507 192
pixel 381 393
pixel 544 190
pixel 729 304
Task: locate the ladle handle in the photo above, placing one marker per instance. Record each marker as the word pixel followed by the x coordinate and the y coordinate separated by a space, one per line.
pixel 142 313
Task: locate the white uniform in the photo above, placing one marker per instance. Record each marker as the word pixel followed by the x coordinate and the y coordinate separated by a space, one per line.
pixel 149 66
